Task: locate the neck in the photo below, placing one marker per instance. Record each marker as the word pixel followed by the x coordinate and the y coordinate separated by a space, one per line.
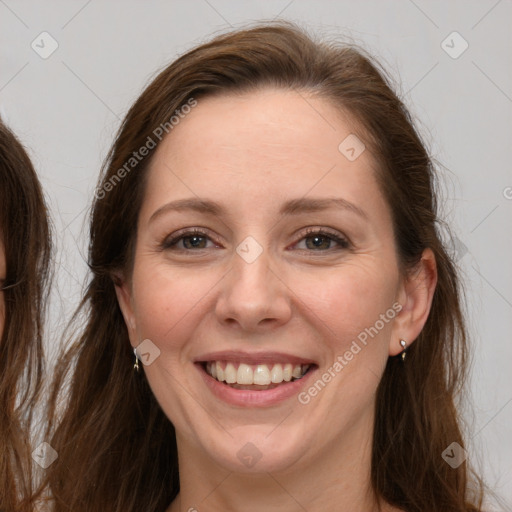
pixel 335 478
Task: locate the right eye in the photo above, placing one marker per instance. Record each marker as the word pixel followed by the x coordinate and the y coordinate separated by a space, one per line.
pixel 190 240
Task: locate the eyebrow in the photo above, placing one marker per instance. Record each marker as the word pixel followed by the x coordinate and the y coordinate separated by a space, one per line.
pixel 291 207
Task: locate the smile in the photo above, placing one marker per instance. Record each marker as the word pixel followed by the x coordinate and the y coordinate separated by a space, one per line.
pixel 263 379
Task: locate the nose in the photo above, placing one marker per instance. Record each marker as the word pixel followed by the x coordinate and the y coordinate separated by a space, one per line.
pixel 253 296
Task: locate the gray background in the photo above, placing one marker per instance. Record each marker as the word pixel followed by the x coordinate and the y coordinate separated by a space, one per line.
pixel 67 107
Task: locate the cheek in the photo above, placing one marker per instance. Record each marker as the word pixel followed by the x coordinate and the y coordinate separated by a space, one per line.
pixel 347 302
pixel 168 301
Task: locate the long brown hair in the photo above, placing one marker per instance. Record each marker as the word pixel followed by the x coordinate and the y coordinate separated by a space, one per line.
pixel 25 234
pixel 117 449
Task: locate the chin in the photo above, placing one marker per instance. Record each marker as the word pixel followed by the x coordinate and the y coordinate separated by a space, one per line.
pixel 252 449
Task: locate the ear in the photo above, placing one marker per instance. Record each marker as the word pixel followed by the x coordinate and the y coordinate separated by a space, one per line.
pixel 415 295
pixel 124 298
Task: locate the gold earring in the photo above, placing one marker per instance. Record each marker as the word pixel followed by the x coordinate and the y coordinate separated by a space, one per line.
pixel 404 346
pixel 136 364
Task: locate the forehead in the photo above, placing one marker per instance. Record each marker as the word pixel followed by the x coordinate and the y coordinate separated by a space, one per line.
pixel 265 145
pixel 270 123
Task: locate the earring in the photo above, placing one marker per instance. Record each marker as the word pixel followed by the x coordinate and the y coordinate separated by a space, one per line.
pixel 404 346
pixel 136 364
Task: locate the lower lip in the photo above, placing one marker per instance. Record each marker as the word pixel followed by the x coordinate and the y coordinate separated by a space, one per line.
pixel 249 398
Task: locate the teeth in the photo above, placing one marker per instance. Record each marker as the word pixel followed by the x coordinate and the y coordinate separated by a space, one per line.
pixel 261 374
pixel 230 373
pixel 219 371
pixel 276 375
pixel 244 374
pixel 287 372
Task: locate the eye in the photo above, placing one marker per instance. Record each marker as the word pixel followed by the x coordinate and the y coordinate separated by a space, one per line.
pixel 316 240
pixel 321 240
pixel 192 239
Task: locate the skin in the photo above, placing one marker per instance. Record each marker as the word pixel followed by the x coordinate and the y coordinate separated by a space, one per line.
pixel 251 153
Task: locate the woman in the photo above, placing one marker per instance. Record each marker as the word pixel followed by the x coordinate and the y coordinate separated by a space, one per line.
pixel 24 258
pixel 264 240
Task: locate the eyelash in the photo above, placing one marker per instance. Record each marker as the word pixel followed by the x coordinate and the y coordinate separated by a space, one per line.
pixel 343 243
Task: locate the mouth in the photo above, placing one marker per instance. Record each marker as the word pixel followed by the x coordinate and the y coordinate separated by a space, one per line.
pixel 254 380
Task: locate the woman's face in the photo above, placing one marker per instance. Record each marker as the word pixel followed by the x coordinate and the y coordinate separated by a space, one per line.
pixel 258 294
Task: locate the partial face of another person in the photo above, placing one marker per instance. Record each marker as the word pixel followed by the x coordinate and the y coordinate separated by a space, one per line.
pixel 3 270
pixel 265 253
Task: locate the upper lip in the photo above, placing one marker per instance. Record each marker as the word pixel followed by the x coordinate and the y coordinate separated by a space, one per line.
pixel 253 357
